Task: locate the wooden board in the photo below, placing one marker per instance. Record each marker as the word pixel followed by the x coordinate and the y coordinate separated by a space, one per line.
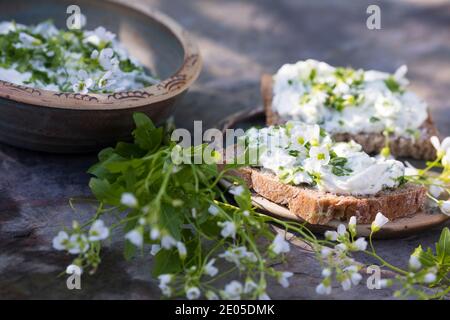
pixel 402 227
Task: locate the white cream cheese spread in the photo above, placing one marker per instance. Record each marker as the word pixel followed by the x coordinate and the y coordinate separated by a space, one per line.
pixel 346 100
pixel 303 154
pixel 82 61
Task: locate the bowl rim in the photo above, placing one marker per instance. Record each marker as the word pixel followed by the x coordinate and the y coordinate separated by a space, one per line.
pixel 164 90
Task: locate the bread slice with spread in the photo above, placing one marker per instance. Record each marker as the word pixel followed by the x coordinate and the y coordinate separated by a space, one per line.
pixel 300 166
pixel 358 105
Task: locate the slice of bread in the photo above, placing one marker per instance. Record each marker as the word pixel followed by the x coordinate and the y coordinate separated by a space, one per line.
pixel 317 207
pixel 420 148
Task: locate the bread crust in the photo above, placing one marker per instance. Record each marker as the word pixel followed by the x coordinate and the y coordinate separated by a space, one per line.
pixel 317 207
pixel 372 143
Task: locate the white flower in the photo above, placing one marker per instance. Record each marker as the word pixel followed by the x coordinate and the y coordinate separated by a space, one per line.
pixel 263 296
pixel 250 286
pixel 325 252
pixel 155 249
pixel 441 147
pixel 193 293
pixel 352 225
pixel 210 295
pixel 210 269
pixel 331 235
pixel 384 283
pixel 341 230
pixel 355 278
pixel 320 155
pixel 99 36
pixel 168 242
pixel 74 269
pixel 323 289
pixel 98 231
pixel 326 272
pixel 360 244
pixel 128 199
pixel 82 82
pixel 106 59
pixel 154 233
pixel 237 191
pixel 379 222
pixel 135 237
pixel 106 80
pixel 279 245
pixel 235 255
pixel 78 243
pixel 429 278
pixel 164 281
pixel 341 247
pixel 414 263
pixel 346 284
pixel 436 191
pixel 181 249
pixel 246 213
pixel 213 210
pixel 228 229
pixel 28 41
pixel 283 278
pixel 60 241
pixel 445 207
pixel 194 213
pixel 233 290
pixel 94 54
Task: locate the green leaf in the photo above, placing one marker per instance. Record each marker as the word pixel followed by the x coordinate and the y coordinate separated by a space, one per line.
pixel 142 120
pixel 443 246
pixel 393 85
pixel 166 261
pixel 105 192
pixel 426 258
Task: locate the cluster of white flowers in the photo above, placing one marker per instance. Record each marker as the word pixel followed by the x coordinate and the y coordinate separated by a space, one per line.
pixel 337 262
pixel 238 256
pixel 78 242
pixel 443 153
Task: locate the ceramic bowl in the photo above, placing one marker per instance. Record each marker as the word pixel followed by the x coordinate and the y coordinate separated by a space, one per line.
pixel 69 122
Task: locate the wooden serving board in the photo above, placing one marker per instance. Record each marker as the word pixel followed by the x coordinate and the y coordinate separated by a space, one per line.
pixel 428 218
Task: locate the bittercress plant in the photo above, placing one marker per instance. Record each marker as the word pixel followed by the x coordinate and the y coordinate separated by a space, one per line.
pixel 209 243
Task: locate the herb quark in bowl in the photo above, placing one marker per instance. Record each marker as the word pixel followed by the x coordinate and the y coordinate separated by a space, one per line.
pixel 71 91
pixel 81 61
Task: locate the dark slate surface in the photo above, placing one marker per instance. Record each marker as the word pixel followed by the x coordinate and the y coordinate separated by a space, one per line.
pixel 239 40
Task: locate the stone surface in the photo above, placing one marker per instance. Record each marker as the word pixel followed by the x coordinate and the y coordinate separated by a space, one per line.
pixel 239 41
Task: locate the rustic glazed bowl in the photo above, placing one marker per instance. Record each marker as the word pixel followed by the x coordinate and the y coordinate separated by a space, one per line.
pixel 67 122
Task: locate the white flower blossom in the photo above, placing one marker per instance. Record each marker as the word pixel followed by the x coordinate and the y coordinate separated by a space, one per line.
pixel 210 269
pixel 441 147
pixel 326 272
pixel 379 222
pixel 99 36
pixel 155 248
pixel 325 252
pixel 164 281
pixel 323 289
pixel 429 278
pixel 213 210
pixel 181 249
pixel 194 213
pixel 60 241
pixel 228 229
pixel 237 255
pixel 168 242
pixel 331 235
pixel 352 225
pixel 385 283
pixel 414 263
pixel 283 278
pixel 98 231
pixel 82 82
pixel 155 233
pixel 436 191
pixel 193 293
pixel 279 245
pixel 128 199
pixel 320 155
pixel 107 60
pixel 360 244
pixel 445 207
pixel 106 80
pixel 237 191
pixel 341 247
pixel 233 290
pixel 346 284
pixel 78 243
pixel 135 237
pixel 341 230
